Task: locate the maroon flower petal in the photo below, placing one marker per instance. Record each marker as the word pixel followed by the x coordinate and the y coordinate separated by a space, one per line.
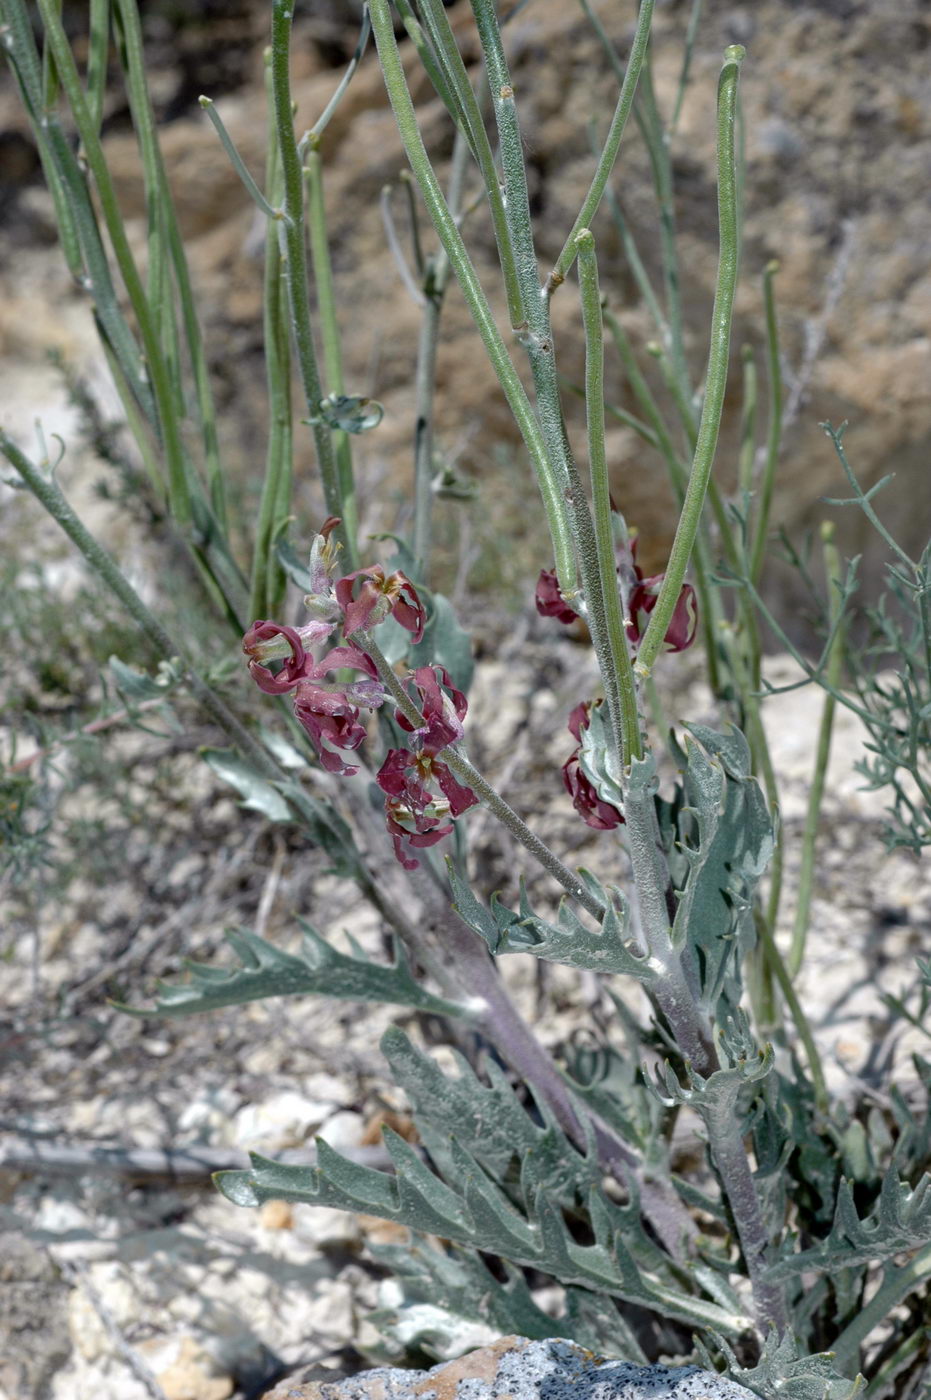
pixel 267 641
pixel 364 610
pixel 684 624
pixel 410 611
pixel 379 595
pixel 549 600
pixel 578 720
pixel 392 775
pixel 593 810
pixel 443 713
pixel 459 797
pixel 350 657
pixel 331 722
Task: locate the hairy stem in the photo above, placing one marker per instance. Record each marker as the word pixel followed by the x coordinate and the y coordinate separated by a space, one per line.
pixel 609 153
pixel 451 239
pixel 294 254
pixel 716 377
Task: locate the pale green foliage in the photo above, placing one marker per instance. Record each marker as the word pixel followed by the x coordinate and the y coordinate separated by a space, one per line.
pixel 267 971
pixel 780 1226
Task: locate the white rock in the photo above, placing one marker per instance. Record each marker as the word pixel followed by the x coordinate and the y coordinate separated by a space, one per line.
pixel 342 1129
pixel 284 1120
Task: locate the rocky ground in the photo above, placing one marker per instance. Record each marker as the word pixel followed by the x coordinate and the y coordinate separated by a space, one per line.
pixel 124 1280
pixel 112 1275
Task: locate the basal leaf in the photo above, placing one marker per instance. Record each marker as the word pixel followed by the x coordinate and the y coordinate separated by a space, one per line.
pixel 256 792
pixel 268 971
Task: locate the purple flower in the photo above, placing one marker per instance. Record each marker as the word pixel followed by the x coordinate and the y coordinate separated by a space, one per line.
pixel 442 712
pixel 416 813
pixel 379 595
pixel 268 641
pixel 683 624
pixel 643 595
pixel 549 600
pixel 321 602
pixel 329 713
pixel 593 810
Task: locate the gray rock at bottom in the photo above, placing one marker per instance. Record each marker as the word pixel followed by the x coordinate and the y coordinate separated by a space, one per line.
pixel 517 1369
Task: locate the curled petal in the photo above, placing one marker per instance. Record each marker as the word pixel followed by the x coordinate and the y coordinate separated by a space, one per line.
pixel 350 657
pixel 370 607
pixel 578 720
pixel 443 710
pixel 684 622
pixel 459 797
pixel 416 816
pixel 549 600
pixel 405 841
pixel 593 810
pixel 331 722
pixel 392 775
pixel 267 641
pixel 379 595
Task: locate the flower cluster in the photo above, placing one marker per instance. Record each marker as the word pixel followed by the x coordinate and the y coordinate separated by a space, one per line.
pixel 329 712
pixel 422 797
pixel 593 810
pixel 379 595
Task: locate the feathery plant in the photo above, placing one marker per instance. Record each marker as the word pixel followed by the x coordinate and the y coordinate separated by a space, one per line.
pixel 796 1256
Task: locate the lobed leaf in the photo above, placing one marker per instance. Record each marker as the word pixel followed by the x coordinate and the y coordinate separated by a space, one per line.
pixel 725 835
pixel 475 1213
pixel 268 971
pixel 606 948
pixel 899 1222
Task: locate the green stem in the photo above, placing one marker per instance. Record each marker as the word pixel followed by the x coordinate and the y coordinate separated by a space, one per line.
pixel 444 42
pixel 436 271
pixel 631 740
pixel 890 1368
pixel 774 431
pixel 159 192
pixel 608 155
pixel 716 377
pixel 690 36
pixel 897 1284
pixel 657 144
pixel 678 475
pixel 832 568
pixel 535 333
pixel 747 423
pixel 465 771
pixel 330 337
pixel 291 233
pixel 709 602
pixel 178 471
pixel 451 239
pixel 862 497
pixel 268 580
pixel 237 162
pixel 98 48
pixel 638 271
pixel 729 1155
pixel 323 121
pixel 779 970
